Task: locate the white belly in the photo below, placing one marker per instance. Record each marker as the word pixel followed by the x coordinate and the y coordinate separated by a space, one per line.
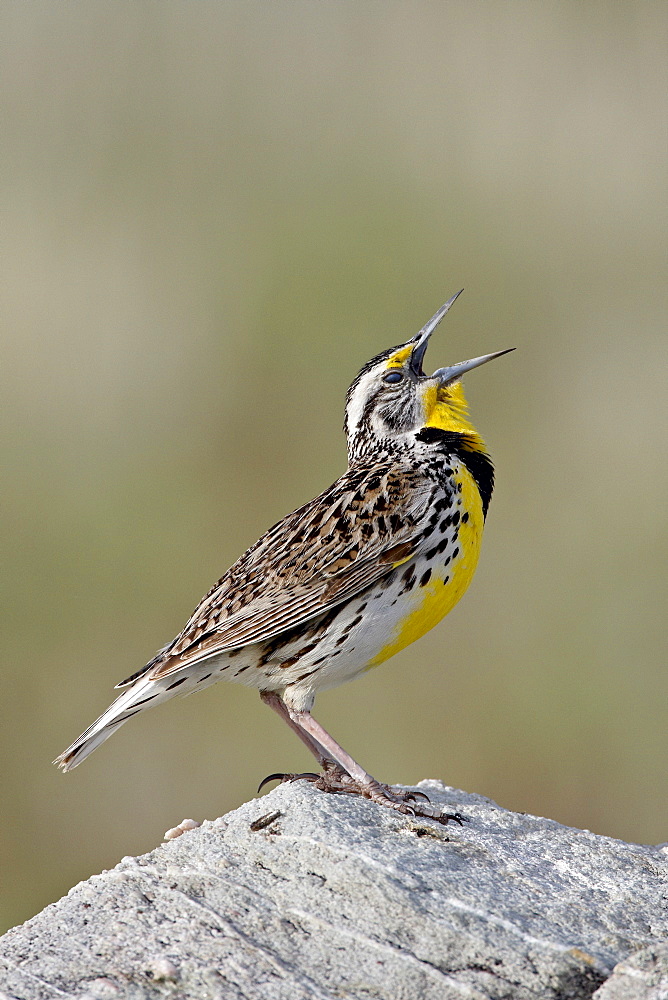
pixel 408 602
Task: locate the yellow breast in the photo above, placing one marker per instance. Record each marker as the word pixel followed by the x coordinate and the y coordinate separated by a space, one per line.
pixel 434 600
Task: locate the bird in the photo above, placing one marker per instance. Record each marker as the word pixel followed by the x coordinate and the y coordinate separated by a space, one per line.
pixel 349 579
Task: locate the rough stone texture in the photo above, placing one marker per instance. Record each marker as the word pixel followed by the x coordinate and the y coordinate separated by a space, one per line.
pixel 643 976
pixel 339 898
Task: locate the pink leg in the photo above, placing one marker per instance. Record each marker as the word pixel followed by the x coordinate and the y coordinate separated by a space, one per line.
pixel 341 772
pixel 276 702
pixel 323 746
pixel 305 721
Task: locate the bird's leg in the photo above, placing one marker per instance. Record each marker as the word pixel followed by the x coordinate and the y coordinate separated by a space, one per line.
pixel 274 701
pixel 310 726
pixel 343 774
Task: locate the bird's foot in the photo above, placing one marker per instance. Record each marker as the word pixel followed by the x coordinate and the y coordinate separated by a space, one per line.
pixel 404 800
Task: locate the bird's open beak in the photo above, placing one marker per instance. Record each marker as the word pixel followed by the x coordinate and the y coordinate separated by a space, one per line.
pixel 444 375
pixel 421 340
pixel 447 375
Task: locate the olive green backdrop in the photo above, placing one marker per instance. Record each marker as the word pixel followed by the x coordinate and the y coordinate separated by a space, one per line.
pixel 213 214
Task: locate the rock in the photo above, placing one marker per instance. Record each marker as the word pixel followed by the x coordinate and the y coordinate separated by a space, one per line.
pixel 643 976
pixel 306 895
pixel 183 827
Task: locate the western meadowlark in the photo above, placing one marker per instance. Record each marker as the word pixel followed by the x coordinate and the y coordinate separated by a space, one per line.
pixel 349 579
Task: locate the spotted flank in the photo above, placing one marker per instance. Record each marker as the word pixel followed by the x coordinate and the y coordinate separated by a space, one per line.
pixel 350 578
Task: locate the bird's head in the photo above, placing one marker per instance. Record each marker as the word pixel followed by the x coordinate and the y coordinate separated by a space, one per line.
pixel 392 399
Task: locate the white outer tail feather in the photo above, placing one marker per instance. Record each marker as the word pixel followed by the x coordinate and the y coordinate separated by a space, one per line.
pixel 109 721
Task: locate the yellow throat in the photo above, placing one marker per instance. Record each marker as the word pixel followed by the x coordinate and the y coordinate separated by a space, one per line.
pixel 446 409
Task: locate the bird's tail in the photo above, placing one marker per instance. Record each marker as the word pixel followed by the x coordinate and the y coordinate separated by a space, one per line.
pixel 144 693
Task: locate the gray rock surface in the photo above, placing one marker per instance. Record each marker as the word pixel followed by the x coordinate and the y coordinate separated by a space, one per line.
pixel 643 976
pixel 335 897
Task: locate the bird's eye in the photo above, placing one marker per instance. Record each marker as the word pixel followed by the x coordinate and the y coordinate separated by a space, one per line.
pixel 393 377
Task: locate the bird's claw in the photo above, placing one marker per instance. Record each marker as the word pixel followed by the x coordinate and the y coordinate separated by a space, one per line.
pixel 336 780
pixel 279 776
pixel 445 818
pixel 412 796
pixel 270 777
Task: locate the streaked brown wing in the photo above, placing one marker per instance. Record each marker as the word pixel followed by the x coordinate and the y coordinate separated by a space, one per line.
pixel 320 556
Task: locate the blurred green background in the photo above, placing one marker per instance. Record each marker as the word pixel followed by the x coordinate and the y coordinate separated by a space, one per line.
pixel 213 214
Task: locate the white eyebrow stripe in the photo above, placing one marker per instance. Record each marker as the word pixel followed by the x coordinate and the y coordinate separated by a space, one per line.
pixel 358 400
